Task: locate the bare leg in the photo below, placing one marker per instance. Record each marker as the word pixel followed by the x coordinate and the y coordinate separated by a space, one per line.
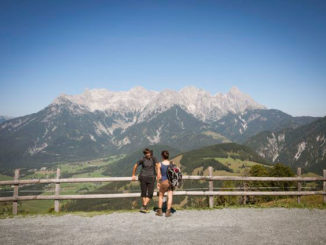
pixel 144 201
pixel 170 196
pixel 147 199
pixel 160 199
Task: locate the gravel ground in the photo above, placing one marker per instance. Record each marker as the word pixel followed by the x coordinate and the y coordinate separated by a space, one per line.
pixel 219 226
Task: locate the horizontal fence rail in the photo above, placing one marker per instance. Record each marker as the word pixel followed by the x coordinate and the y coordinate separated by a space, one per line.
pixel 188 177
pixel 175 193
pixel 210 193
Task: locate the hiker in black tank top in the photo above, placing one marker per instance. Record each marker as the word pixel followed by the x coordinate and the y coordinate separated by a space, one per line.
pixel 146 177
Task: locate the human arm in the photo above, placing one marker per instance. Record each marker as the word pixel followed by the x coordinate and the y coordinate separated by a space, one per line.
pixel 133 177
pixel 158 174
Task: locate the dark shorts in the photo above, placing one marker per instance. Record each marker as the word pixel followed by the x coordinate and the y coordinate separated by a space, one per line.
pixel 146 185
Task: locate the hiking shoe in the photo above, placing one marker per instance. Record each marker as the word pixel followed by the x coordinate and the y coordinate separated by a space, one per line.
pixel 147 210
pixel 159 212
pixel 142 209
pixel 168 213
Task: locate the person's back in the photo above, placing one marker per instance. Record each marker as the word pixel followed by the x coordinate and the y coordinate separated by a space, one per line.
pixel 148 166
pixel 164 168
pixel 164 184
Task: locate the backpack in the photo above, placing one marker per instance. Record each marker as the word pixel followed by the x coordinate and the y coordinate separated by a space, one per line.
pixel 174 175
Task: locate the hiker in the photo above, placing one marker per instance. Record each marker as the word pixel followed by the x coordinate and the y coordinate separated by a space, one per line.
pixel 146 177
pixel 163 184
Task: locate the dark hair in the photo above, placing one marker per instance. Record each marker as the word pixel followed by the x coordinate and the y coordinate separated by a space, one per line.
pixel 165 154
pixel 146 150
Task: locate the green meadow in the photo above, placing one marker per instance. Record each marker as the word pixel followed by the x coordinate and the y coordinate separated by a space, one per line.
pixel 224 163
pixel 87 169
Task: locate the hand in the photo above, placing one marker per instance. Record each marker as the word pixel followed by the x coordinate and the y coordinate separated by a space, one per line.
pixel 158 185
pixel 133 178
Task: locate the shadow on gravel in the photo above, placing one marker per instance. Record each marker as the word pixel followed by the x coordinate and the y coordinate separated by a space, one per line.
pixel 164 207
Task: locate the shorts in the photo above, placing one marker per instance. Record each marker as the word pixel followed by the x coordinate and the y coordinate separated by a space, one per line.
pixel 146 185
pixel 165 186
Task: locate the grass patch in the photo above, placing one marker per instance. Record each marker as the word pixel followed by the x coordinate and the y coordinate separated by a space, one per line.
pixel 54 214
pixel 315 201
pixel 309 202
pixel 5 177
pixel 237 165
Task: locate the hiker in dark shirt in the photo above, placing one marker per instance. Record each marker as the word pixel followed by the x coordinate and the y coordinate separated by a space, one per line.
pixel 146 177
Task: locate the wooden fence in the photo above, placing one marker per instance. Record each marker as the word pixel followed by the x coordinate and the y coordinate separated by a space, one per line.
pixel 16 182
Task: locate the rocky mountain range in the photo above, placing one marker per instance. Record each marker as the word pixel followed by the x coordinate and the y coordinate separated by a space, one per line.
pixel 100 122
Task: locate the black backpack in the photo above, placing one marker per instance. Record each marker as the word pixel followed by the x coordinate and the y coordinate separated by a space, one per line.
pixel 174 175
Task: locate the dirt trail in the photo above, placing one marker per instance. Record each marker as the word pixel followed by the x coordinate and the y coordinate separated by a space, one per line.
pixel 219 226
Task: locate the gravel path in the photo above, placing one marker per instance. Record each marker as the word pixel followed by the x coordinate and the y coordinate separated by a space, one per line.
pixel 220 226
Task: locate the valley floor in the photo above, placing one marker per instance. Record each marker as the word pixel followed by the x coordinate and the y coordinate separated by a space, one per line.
pixel 218 226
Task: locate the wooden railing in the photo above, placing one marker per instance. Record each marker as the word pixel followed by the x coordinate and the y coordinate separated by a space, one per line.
pixel 16 182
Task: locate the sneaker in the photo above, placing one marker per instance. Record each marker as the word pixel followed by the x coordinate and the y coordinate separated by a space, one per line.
pixel 142 209
pixel 147 210
pixel 168 213
pixel 159 212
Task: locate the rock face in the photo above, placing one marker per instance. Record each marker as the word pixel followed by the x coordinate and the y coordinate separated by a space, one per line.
pixel 303 146
pixel 100 122
pixel 144 103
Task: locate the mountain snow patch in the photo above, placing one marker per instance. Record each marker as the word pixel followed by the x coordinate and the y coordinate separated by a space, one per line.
pixel 244 125
pixel 301 148
pixel 281 137
pixel 120 143
pixel 92 137
pixel 35 149
pixel 45 133
pixel 321 139
pixel 272 149
pixel 155 138
pixel 100 129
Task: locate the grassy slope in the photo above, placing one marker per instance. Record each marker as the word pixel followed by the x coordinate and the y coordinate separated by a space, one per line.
pixel 5 177
pixel 95 168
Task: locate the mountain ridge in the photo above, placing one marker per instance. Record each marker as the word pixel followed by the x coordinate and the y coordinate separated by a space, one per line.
pixel 69 131
pixel 196 101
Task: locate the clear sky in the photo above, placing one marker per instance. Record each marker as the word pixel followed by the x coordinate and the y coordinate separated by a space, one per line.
pixel 274 51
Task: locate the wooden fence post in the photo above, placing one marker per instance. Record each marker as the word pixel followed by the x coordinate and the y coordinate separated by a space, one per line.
pixel 299 185
pixel 57 192
pixel 244 201
pixel 210 187
pixel 15 194
pixel 324 185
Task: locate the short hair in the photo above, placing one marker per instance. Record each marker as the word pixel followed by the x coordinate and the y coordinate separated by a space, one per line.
pixel 146 150
pixel 165 154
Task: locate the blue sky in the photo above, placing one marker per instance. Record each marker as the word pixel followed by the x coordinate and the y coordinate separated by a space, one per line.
pixel 273 50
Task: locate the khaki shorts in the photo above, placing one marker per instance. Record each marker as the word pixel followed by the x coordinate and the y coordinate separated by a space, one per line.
pixel 165 186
